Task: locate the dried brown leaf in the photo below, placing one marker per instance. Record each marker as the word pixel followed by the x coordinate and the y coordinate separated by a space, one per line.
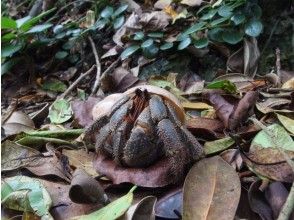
pixel 208 184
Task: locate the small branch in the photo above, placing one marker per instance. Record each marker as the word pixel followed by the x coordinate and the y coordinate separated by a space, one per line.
pixel 278 62
pixel 75 83
pixel 98 64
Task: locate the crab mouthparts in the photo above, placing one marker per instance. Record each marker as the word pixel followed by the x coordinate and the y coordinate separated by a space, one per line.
pixel 140 101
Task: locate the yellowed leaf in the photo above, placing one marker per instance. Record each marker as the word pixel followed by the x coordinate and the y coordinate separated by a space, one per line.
pixel 196 105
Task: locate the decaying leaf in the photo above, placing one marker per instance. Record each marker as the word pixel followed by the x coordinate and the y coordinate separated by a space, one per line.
pixel 258 202
pixel 233 157
pixel 208 184
pixel 144 209
pixel 113 210
pixel 157 175
pixel 26 194
pixel 60 111
pixel 81 159
pixel 85 189
pixel 156 20
pixel 288 123
pixel 211 147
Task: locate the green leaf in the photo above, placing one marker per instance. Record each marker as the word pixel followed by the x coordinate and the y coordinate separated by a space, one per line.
pixel 120 10
pixel 58 29
pixel 61 55
pixel 225 85
pixel 118 22
pixel 9 50
pixel 7 37
pixel 218 21
pixel 39 28
pixel 232 36
pixel 288 123
pixel 253 28
pixel 129 51
pixel 138 35
pixel 278 133
pixel 194 28
pixel 184 43
pixel 5 67
pixel 166 46
pixel 151 51
pixel 209 15
pixel 216 34
pixel 156 34
pixel 29 23
pixel 107 12
pixel 212 147
pixel 147 43
pixel 21 21
pixel 26 194
pixel 54 85
pixel 225 11
pixel 201 43
pixel 100 24
pixel 112 211
pixel 60 111
pixel 8 23
pixel 238 19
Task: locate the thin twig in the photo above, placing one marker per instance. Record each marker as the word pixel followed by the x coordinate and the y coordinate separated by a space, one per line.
pixel 75 83
pixel 289 204
pixel 98 64
pixel 278 62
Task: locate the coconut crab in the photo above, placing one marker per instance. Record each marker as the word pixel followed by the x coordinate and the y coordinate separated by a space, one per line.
pixel 144 125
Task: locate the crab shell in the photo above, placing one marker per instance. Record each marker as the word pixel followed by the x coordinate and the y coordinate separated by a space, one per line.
pixel 105 105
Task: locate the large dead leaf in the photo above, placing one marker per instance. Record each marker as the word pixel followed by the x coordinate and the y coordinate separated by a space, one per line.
pixel 81 110
pixel 211 190
pixel 157 175
pixel 154 21
pixel 81 159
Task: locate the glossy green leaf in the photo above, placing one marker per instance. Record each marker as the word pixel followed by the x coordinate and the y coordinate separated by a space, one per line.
pixel 9 50
pixel 156 34
pixel 218 21
pixel 120 10
pixel 26 194
pixel 107 12
pixel 166 46
pixel 5 67
pixel 253 28
pixel 8 23
pixel 58 29
pixel 61 55
pixel 238 18
pixel 147 43
pixel 194 28
pixel 232 36
pixel 60 111
pixel 184 43
pixel 39 28
pixel 201 43
pixel 216 34
pixel 21 21
pixel 129 51
pixel 225 85
pixel 150 52
pixel 8 37
pixel 225 11
pixel 29 23
pixel 118 22
pixel 139 35
pixel 113 210
pixel 209 15
pixel 100 24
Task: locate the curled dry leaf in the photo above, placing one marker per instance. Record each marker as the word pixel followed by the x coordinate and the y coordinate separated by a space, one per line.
pixel 18 122
pixel 81 110
pixel 144 210
pixel 258 202
pixel 156 175
pixel 276 195
pixel 85 189
pixel 156 20
pixel 273 105
pixel 169 204
pixel 208 184
pixel 233 157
